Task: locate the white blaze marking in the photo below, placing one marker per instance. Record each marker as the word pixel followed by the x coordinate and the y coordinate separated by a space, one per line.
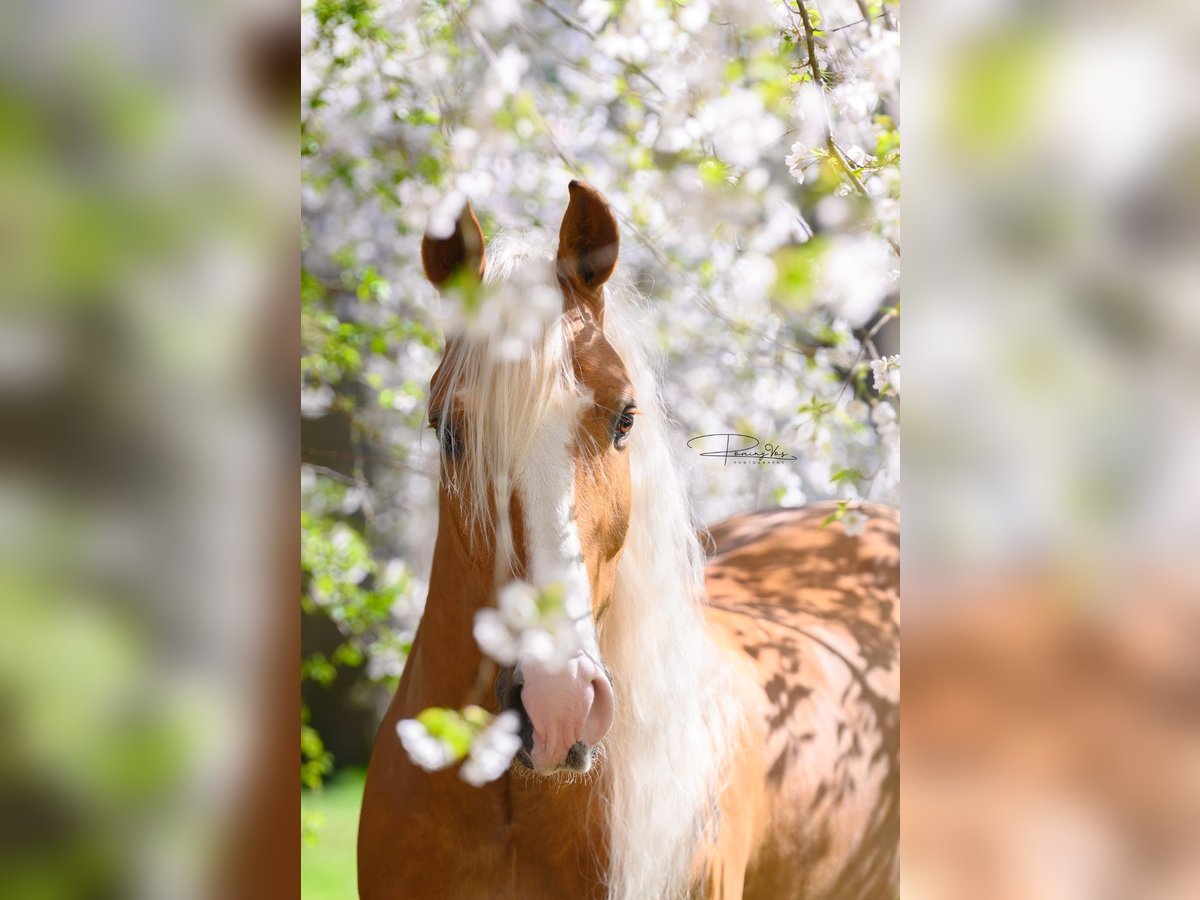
pixel 552 547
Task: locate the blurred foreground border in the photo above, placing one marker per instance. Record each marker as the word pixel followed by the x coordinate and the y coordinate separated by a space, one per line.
pixel 148 635
pixel 1051 707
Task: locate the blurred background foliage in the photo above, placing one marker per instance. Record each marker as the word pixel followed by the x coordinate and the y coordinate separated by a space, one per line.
pixel 146 215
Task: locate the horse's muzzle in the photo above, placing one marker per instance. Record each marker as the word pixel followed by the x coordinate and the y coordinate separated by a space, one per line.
pixel 564 713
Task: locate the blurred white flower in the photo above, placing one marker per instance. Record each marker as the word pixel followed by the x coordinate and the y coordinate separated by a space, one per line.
pixel 694 16
pixel 745 13
pixel 887 211
pixel 783 225
pixel 835 213
pixel 884 416
pixel 800 157
pixel 463 144
pixel 887 426
pixel 315 401
pixel 384 661
pixel 855 276
pixel 504 77
pixel 492 750
pixel 494 637
pixel 854 102
pixel 511 316
pixel 518 602
pixel 754 274
pixel 423 748
pixel 857 155
pixel 443 217
pixel 594 13
pixel 881 61
pixel 740 127
pixel 493 15
pixel 854 522
pixel 528 625
pixel 793 493
pixel 810 115
pixel 510 65
pixel 887 374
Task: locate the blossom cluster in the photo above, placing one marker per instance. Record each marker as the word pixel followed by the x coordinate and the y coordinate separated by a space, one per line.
pixel 532 625
pixel 758 195
pixel 438 738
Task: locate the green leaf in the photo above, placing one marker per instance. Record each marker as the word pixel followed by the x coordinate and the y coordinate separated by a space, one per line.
pixel 797 268
pixel 449 727
pixel 712 171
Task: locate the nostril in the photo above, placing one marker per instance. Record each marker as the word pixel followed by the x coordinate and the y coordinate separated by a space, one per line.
pixel 577 756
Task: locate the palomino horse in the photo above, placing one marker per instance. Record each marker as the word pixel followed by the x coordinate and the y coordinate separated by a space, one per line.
pixel 730 729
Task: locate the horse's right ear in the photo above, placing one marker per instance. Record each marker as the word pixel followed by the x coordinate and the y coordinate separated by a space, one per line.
pixel 444 257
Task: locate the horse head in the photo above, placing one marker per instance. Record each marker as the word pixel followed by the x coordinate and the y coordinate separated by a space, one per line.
pixel 535 470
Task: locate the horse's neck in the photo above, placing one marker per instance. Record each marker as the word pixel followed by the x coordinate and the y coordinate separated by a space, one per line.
pixel 444 666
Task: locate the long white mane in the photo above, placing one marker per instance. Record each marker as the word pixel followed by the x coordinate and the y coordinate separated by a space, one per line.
pixel 668 746
pixel 666 753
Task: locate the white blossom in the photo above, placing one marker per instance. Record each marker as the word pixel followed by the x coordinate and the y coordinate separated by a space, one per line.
pixel 854 522
pixel 384 661
pixel 425 750
pixel 694 16
pixel 315 401
pixel 511 316
pixel 884 417
pixel 494 15
pixel 528 625
pixel 856 276
pixel 755 275
pixel 493 750
pixel 800 156
pixel 810 116
pixel 594 13
pixel 886 372
pixel 740 127
pixel 510 65
pixel 857 155
pixel 443 217
pixel 881 61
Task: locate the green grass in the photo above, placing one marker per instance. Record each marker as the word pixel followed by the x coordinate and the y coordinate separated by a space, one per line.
pixel 327 853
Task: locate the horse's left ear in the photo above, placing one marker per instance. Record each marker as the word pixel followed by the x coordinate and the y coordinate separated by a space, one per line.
pixel 588 240
pixel 459 252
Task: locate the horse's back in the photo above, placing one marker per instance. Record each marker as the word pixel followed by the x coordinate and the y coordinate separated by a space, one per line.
pixel 810 616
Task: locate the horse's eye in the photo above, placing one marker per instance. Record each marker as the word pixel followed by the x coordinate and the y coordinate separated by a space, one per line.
pixel 448 437
pixel 624 425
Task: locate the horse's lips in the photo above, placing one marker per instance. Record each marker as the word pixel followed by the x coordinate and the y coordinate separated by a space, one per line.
pixel 572 705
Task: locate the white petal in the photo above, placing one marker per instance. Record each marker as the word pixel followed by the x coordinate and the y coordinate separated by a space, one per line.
pixel 494 638
pixel 537 645
pixel 423 749
pixel 518 605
